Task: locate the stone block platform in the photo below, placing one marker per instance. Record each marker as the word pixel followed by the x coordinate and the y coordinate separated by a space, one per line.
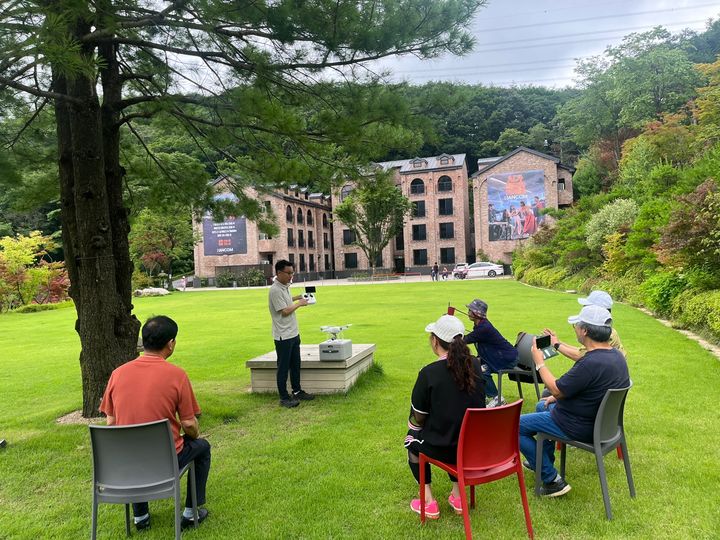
pixel 317 377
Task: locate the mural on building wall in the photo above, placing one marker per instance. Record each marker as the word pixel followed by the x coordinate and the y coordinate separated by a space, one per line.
pixel 227 237
pixel 515 200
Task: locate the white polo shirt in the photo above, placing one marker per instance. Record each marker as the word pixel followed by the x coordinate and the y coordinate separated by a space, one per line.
pixel 283 327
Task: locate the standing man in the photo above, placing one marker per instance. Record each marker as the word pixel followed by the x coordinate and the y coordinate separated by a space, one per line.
pixel 150 388
pixel 286 334
pixel 434 272
pixel 494 350
pixel 576 396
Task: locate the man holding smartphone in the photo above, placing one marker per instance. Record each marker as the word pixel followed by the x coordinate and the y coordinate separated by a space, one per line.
pixel 286 334
pixel 570 410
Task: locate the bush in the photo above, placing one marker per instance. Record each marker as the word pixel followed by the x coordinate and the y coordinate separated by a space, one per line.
pixel 659 291
pixel 225 279
pixel 141 280
pixel 34 308
pixel 699 309
pixel 252 278
pixel 611 218
pixel 546 276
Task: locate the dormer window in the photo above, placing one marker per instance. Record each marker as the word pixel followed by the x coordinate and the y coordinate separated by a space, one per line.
pixel 419 163
pixel 345 191
pixel 561 185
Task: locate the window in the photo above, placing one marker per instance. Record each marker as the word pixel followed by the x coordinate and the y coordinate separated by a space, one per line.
pixel 351 260
pixel 345 191
pixel 400 241
pixel 325 221
pixel 301 239
pixel 444 184
pixel 419 232
pixel 417 187
pixel 289 214
pixel 302 262
pixel 300 216
pixel 447 255
pixel 326 242
pixel 312 262
pixel 444 160
pixel 291 258
pixel 309 218
pixel 447 230
pixel 264 236
pixel 327 262
pixel 348 237
pixel 291 240
pixel 445 207
pixel 418 209
pixel 311 240
pixel 561 185
pixel 420 257
pixel 268 207
pixel 379 261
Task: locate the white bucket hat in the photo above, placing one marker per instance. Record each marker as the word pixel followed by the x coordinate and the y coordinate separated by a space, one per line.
pixel 446 328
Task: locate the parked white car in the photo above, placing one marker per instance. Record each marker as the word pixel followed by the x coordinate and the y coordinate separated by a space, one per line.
pixel 459 270
pixel 483 269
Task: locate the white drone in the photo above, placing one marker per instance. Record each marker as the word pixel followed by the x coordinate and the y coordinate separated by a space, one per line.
pixel 334 331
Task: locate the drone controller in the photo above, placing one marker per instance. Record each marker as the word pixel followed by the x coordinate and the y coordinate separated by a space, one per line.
pixel 310 295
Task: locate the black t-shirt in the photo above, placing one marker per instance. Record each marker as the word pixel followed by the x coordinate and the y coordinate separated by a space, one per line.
pixel 583 388
pixel 437 395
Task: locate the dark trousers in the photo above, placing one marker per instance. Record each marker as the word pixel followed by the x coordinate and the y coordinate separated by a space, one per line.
pixel 193 449
pixel 288 359
pixel 416 446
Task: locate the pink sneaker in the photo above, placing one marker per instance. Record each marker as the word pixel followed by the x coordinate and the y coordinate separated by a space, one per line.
pixel 456 503
pixel 432 510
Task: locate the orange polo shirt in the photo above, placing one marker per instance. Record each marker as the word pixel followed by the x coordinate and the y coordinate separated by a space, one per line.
pixel 147 389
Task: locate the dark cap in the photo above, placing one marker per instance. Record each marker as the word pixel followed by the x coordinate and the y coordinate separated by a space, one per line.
pixel 479 307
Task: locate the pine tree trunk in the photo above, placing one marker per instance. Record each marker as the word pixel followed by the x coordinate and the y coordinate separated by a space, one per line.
pixel 95 237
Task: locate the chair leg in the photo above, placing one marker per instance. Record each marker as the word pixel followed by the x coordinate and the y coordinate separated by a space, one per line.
pixel 422 488
pixel 465 509
pixel 178 511
pixel 523 496
pixel 619 452
pixel 538 463
pixel 193 493
pixel 499 386
pixel 472 496
pixel 520 390
pixel 628 469
pixel 537 390
pixel 563 456
pixel 603 482
pixel 127 519
pixel 93 532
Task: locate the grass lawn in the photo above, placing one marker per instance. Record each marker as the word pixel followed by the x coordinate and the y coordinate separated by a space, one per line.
pixel 335 467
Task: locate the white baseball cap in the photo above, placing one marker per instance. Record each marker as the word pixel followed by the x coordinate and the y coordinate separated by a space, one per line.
pixel 446 328
pixel 597 298
pixel 596 315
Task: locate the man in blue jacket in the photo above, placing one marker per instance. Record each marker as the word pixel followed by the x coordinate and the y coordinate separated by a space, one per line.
pixel 494 350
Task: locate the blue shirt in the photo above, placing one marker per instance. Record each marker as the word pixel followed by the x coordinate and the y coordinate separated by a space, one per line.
pixel 583 388
pixel 492 347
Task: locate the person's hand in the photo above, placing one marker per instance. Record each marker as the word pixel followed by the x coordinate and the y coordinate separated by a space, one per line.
pixel 553 336
pixel 536 353
pixel 302 302
pixel 548 400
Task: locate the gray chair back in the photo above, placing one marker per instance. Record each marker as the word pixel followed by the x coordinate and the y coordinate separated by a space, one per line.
pixel 609 419
pixel 523 344
pixel 133 456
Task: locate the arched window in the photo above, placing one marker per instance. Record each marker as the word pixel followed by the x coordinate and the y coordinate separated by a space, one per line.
pixel 325 221
pixel 309 218
pixel 444 183
pixel 417 187
pixel 289 214
pixel 345 191
pixel 300 216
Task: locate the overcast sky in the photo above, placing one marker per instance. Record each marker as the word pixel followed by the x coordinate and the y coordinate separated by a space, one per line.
pixel 536 42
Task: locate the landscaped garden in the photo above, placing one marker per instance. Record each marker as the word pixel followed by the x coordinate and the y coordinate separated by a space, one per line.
pixel 335 467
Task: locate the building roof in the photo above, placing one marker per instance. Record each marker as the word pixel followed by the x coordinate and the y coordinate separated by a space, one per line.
pixel 519 149
pixel 428 163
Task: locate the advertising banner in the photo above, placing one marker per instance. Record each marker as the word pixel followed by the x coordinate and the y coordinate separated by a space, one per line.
pixel 228 237
pixel 515 200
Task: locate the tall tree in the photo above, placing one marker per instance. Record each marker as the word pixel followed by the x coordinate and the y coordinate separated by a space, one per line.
pixel 239 76
pixel 375 211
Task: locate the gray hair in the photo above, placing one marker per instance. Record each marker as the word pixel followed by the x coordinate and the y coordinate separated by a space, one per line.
pixel 601 334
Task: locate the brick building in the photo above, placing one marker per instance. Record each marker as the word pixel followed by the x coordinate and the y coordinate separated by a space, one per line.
pixel 305 236
pixel 438 229
pixel 509 193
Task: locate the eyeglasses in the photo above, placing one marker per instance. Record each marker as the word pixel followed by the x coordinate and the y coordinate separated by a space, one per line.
pixel 286 272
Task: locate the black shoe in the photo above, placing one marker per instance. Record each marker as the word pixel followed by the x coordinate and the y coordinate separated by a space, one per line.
pixel 526 464
pixel 554 489
pixel 143 524
pixel 289 402
pixel 303 396
pixel 185 522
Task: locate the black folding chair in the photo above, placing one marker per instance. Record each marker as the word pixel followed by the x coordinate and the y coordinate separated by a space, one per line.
pixel 525 371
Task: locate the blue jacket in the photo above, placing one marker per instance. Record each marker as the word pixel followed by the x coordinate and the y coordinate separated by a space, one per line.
pixel 492 348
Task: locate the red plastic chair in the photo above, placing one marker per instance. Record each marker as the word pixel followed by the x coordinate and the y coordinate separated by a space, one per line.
pixel 483 458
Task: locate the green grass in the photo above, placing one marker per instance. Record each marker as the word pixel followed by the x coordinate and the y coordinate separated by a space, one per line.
pixel 335 467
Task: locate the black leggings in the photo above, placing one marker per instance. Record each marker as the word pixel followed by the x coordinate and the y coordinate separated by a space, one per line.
pixel 446 454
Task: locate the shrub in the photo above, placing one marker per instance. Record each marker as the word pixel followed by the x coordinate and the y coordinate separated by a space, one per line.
pixel 34 308
pixel 612 218
pixel 659 291
pixel 141 280
pixel 225 279
pixel 699 309
pixel 546 276
pixel 251 278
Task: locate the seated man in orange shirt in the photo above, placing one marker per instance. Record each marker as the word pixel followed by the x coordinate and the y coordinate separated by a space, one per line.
pixel 150 388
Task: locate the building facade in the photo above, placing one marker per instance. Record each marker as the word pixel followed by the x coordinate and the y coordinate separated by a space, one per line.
pixel 509 194
pixel 305 236
pixel 438 229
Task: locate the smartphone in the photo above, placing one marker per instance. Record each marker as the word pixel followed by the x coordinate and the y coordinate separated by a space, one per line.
pixel 542 342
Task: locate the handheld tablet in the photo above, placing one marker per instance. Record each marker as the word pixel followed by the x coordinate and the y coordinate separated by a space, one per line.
pixel 544 343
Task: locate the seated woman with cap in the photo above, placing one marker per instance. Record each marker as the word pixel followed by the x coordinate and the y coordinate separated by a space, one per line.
pixel 443 391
